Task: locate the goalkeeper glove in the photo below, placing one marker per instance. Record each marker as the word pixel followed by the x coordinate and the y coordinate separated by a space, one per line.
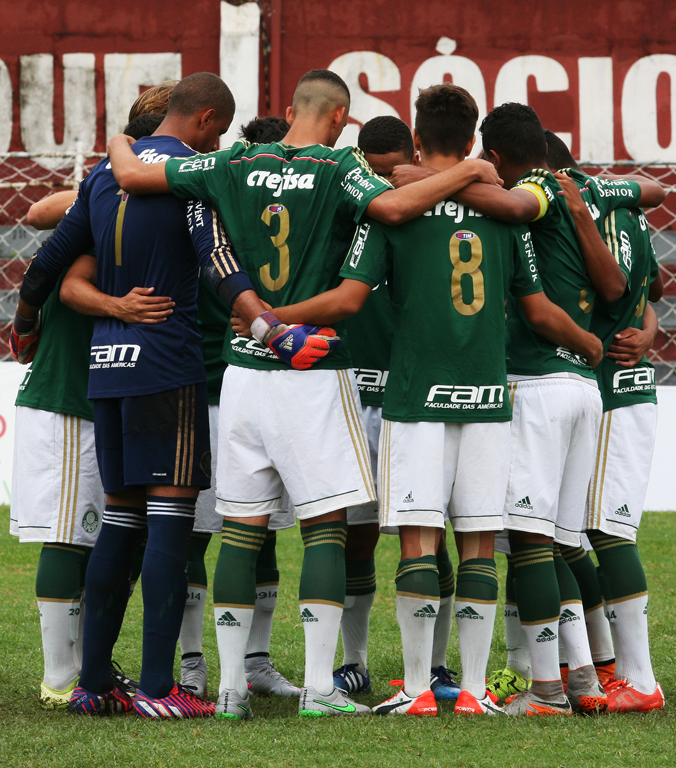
pixel 23 346
pixel 299 346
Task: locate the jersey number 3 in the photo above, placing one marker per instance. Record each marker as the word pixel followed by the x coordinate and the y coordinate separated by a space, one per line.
pixel 279 241
pixel 474 279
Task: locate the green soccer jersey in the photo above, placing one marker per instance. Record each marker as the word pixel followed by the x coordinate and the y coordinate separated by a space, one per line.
pixel 449 272
pixel 57 378
pixel 370 334
pixel 628 238
pixel 564 278
pixel 213 321
pixel 290 213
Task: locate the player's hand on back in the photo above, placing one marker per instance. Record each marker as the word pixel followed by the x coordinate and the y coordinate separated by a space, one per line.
pixel 407 174
pixel 120 139
pixel 301 346
pixel 572 193
pixel 140 306
pixel 629 347
pixel 484 172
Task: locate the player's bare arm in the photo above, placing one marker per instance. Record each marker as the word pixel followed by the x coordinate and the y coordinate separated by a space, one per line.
pixel 80 293
pixel 629 346
pixel 48 212
pixel 604 272
pixel 656 290
pixel 550 321
pixel 132 174
pixel 329 307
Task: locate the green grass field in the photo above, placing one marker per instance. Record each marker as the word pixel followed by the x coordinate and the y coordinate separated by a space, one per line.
pixel 30 737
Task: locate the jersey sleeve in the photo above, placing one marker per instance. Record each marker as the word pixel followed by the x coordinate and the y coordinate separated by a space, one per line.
pixel 369 258
pixel 359 183
pixel 536 184
pixel 618 232
pixel 616 193
pixel 200 176
pixel 526 279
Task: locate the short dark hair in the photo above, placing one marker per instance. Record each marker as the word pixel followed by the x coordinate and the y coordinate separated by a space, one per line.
pixel 558 154
pixel 385 134
pixel 515 132
pixel 445 119
pixel 203 90
pixel 264 130
pixel 143 125
pixel 327 76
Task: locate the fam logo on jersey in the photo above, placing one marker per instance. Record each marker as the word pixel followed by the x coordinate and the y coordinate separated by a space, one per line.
pixel 358 244
pixel 114 356
pixel 251 347
pixel 287 179
pixel 355 184
pixel 633 380
pixel 571 357
pixel 465 235
pixel 90 520
pixel 197 164
pixel 371 380
pixel 457 396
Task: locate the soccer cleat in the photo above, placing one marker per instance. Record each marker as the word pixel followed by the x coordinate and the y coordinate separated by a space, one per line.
pixel 83 702
pixel 606 674
pixel 585 692
pixel 301 346
pixel 194 674
pixel 506 682
pixel 401 703
pixel 543 698
pixel 623 697
pixel 51 699
pixel 123 681
pixel 232 706
pixel 349 680
pixel 443 685
pixel 314 704
pixel 179 704
pixel 265 680
pixel 470 705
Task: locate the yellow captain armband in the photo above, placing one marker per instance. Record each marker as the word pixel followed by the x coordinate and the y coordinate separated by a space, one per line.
pixel 539 192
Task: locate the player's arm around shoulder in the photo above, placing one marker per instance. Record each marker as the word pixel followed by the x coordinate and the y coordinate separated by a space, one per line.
pixel 133 175
pixel 515 206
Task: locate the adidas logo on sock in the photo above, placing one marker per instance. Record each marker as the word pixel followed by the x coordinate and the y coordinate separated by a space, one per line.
pixel 426 612
pixel 568 615
pixel 305 615
pixel 545 636
pixel 524 503
pixel 409 498
pixel 468 613
pixel 228 620
pixel 287 343
pixel 623 511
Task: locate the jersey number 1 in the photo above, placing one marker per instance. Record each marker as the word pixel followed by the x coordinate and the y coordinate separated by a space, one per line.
pixel 469 268
pixel 279 241
pixel 118 227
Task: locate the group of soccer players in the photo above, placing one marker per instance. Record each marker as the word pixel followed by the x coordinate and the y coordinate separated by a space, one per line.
pixel 495 315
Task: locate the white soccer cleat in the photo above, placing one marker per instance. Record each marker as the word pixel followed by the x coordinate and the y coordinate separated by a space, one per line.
pixel 403 704
pixel 265 680
pixel 470 705
pixel 314 704
pixel 194 674
pixel 231 706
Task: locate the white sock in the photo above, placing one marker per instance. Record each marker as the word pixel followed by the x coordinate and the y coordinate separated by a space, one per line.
pixel 417 638
pixel 232 633
pixel 264 612
pixel 598 631
pixel 193 620
pixel 573 633
pixel 77 645
pixel 518 653
pixel 321 623
pixel 544 649
pixel 442 631
pixel 629 625
pixel 475 622
pixel 354 627
pixel 59 621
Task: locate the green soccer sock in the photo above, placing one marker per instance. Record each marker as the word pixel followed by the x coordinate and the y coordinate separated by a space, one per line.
pixel 192 625
pixel 475 606
pixel 444 622
pixel 572 629
pixel 234 598
pixel 267 587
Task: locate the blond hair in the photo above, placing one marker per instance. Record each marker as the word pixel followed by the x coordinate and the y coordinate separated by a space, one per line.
pixel 155 100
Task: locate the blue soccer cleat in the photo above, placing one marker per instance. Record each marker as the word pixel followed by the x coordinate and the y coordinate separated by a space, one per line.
pixel 348 680
pixel 179 704
pixel 443 685
pixel 115 702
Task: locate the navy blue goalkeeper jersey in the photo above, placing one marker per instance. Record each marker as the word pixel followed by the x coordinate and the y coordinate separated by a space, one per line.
pixel 144 240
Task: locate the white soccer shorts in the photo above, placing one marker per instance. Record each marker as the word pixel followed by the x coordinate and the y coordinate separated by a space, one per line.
pixel 207 518
pixel 57 494
pixel 619 481
pixel 554 430
pixel 299 431
pixel 368 513
pixel 427 468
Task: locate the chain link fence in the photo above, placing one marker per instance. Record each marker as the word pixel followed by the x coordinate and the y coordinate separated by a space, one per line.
pixel 26 178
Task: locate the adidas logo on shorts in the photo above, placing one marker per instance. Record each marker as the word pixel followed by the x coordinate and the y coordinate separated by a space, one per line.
pixel 524 503
pixel 426 612
pixel 305 615
pixel 545 636
pixel 468 613
pixel 228 620
pixel 567 616
pixel 409 498
pixel 623 511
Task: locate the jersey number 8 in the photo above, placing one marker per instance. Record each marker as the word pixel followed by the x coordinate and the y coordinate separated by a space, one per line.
pixel 471 243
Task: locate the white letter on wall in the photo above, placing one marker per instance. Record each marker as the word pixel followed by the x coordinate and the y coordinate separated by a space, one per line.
pixel 240 34
pixel 512 81
pixel 597 143
pixel 37 102
pixel 125 73
pixel 5 108
pixel 382 74
pixel 463 72
pixel 639 109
